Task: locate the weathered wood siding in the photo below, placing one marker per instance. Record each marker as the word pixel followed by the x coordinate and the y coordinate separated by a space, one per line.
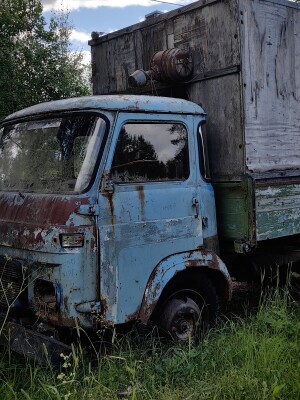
pixel 208 28
pixel 253 116
pixel 270 38
pixel 222 101
pixel 277 210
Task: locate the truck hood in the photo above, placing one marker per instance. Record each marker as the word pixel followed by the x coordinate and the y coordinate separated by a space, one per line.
pixel 33 221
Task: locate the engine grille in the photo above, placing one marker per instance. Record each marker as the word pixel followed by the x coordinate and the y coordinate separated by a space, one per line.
pixel 12 281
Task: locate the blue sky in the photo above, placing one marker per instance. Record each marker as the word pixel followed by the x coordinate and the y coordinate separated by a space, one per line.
pixel 104 15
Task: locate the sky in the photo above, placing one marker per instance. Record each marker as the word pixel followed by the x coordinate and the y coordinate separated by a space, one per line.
pixel 86 16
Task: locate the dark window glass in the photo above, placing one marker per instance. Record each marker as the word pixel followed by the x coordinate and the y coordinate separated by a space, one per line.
pixel 51 155
pixel 203 153
pixel 151 152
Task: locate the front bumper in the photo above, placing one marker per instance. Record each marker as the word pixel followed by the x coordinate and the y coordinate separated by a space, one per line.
pixel 33 345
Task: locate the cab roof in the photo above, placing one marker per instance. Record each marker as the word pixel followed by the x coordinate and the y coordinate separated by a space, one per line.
pixel 130 103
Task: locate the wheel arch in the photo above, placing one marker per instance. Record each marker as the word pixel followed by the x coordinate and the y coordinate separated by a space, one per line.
pixel 176 270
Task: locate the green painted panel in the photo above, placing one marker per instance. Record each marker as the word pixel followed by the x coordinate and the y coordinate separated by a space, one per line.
pixel 277 210
pixel 235 210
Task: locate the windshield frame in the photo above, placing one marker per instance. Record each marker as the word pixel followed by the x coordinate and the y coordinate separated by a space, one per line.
pixel 63 114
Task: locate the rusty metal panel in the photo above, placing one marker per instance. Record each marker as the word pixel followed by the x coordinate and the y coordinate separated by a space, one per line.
pixel 174 264
pixel 31 252
pixel 125 232
pixel 270 32
pixel 144 222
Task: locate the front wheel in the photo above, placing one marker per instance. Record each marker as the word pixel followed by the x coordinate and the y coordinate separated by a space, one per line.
pixel 188 313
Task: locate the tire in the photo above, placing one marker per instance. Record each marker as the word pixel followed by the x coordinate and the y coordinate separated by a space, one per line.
pixel 188 313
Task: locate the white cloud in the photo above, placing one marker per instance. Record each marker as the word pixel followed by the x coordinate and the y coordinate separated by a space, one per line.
pixel 86 56
pixel 76 4
pixel 86 60
pixel 80 36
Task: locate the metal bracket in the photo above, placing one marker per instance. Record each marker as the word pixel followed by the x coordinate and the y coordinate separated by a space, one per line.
pixel 88 209
pixel 89 307
pixel 195 203
pixel 243 247
pixel 108 185
pixel 204 222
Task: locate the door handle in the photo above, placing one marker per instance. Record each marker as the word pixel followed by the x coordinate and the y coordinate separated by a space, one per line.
pixel 195 204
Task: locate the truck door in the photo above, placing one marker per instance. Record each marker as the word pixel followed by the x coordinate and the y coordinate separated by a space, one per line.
pixel 149 205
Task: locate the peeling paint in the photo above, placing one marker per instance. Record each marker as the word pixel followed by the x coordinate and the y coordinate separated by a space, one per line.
pixel 166 270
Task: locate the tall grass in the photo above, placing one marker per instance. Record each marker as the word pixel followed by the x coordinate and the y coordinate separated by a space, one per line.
pixel 252 358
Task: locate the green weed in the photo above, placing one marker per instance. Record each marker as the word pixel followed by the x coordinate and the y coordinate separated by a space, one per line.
pixel 252 358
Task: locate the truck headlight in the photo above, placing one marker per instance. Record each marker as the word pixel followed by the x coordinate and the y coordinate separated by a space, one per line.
pixel 71 239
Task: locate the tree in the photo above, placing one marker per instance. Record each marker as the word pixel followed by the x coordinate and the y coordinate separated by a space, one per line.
pixel 36 63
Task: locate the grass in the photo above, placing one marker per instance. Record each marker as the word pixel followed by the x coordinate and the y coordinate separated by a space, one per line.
pixel 252 358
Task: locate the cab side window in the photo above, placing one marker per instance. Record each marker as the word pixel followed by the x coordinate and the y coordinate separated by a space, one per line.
pixel 203 152
pixel 148 152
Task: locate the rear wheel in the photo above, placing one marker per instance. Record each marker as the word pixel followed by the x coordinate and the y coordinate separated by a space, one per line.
pixel 188 312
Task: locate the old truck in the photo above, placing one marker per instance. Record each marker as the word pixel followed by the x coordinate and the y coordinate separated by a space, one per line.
pixel 139 203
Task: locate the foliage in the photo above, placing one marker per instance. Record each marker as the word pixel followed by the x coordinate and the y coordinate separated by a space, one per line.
pixel 36 63
pixel 253 359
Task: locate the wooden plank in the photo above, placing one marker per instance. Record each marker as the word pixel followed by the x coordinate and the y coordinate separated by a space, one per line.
pixel 152 21
pixel 270 35
pixel 222 102
pixel 277 210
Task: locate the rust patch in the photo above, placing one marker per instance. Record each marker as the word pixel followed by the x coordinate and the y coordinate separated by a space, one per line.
pixel 131 317
pixel 141 194
pixel 192 263
pixel 149 303
pixel 27 223
pixel 40 209
pixel 211 244
pixel 104 305
pixel 99 319
pixel 66 299
pixel 56 319
pixel 109 197
pixel 146 309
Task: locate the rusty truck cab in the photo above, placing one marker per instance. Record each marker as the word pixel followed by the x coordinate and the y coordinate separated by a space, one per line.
pixel 104 201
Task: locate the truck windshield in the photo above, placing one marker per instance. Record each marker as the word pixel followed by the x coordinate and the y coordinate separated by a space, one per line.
pixel 50 155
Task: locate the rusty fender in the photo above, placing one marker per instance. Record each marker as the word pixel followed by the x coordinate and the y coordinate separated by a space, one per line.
pixel 168 268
